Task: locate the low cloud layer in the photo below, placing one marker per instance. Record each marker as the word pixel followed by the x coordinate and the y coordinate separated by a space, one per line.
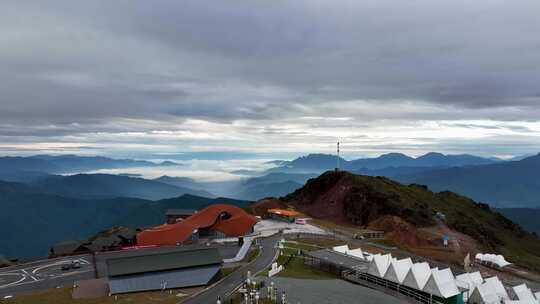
pixel 287 76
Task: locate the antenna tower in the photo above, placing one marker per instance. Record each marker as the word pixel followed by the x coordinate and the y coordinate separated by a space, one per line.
pixel 337 168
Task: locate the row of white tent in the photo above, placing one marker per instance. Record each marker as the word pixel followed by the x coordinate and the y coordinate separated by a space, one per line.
pixel 495 259
pixel 440 283
pixel 524 295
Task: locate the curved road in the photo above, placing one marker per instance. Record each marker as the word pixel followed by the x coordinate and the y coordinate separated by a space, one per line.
pixel 227 285
pixel 43 274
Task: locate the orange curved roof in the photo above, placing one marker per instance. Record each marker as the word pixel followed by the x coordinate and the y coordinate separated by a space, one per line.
pixel 283 212
pixel 239 223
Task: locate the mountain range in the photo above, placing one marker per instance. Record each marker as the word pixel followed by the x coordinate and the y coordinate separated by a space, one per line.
pixel 20 167
pixel 504 184
pixel 318 163
pixel 110 186
pixel 499 183
pixel 34 220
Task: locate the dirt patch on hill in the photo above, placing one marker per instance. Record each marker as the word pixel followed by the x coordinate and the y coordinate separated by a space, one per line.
pixel 399 231
pixel 426 241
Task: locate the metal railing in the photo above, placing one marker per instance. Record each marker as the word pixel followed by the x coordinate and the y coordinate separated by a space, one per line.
pixel 372 281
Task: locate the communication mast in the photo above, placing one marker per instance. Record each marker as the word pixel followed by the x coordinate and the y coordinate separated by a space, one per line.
pixel 337 168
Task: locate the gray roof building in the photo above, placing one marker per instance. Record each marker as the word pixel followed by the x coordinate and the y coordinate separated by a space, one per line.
pixel 4 261
pixel 67 248
pixel 164 261
pixel 178 269
pixel 179 278
pixel 180 212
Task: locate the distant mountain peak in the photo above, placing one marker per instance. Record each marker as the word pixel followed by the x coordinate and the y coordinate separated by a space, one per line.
pixel 394 155
pixel 432 155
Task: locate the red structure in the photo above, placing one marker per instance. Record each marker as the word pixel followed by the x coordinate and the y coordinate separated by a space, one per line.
pixel 218 220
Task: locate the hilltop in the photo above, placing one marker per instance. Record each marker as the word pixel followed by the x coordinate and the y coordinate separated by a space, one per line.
pixel 407 214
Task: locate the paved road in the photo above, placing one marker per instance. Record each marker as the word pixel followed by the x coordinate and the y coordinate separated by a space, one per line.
pixel 43 274
pixel 223 288
pixel 331 291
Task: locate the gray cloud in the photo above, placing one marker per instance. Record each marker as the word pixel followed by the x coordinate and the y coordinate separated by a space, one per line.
pixel 72 70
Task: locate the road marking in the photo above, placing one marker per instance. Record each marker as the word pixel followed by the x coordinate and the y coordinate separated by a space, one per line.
pixel 31 276
pixel 50 265
pixel 73 273
pixel 13 283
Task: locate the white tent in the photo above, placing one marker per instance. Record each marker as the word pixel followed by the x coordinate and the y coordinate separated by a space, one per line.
pixel 417 276
pixel 442 283
pixel 520 302
pixel 524 293
pixel 341 249
pixel 498 260
pixel 357 253
pixel 497 285
pixel 469 281
pixel 398 269
pixel 369 256
pixel 379 265
pixel 484 294
pixel 537 295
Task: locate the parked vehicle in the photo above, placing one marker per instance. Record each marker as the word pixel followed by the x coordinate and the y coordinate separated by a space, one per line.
pixel 75 264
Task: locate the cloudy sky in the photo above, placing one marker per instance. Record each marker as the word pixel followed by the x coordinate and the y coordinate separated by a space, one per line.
pixel 157 77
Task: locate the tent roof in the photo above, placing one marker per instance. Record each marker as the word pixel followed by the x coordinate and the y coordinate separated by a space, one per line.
pixel 379 265
pixel 442 283
pixel 486 294
pixel 341 249
pixel 357 253
pixel 398 269
pixel 497 285
pixel 499 260
pixel 523 292
pixel 417 276
pixel 469 280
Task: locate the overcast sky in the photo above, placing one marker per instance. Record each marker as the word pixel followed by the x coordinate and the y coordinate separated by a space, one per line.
pixel 126 76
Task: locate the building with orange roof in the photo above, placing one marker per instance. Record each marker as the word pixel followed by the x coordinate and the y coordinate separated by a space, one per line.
pixel 219 220
pixel 282 214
